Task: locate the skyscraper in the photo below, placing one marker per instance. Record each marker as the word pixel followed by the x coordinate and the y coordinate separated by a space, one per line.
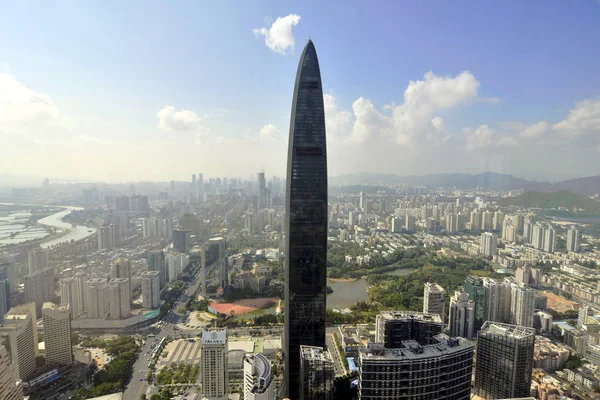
pixel 504 361
pixel 19 327
pixel 573 238
pixel 214 370
pixel 37 259
pixel 57 334
pixel 8 378
pixel 434 300
pixel 39 287
pixel 119 298
pixel 549 240
pixel 392 328
pixel 305 221
pixel 181 240
pixel 150 289
pixel 474 287
pixel 316 373
pixel 522 305
pixel 488 245
pixel 96 299
pixel 461 315
pixel 262 190
pixel 70 296
pixel 259 381
pixel 157 262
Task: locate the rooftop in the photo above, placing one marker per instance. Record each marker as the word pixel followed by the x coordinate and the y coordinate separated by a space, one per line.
pixel 314 353
pixel 421 316
pixel 214 336
pixel 496 328
pixel 412 350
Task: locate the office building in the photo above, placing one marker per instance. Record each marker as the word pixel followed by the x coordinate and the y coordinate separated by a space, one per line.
pixel 504 361
pixel 181 240
pixel 7 261
pixel 549 240
pixel 441 370
pixel 394 327
pixel 96 299
pixel 37 259
pixel 259 381
pixel 70 296
pixel 488 245
pixel 200 184
pixel 497 298
pixel 461 315
pixel 262 190
pixel 214 369
pixel 474 288
pixel 39 287
pixel 218 249
pixel 150 289
pixel 4 295
pixel 20 332
pixel 104 238
pixel 305 221
pixel 316 373
pixel 434 300
pixel 9 390
pixel 362 201
pixel 522 305
pixel 119 298
pixel 573 240
pixel 157 262
pixel 57 334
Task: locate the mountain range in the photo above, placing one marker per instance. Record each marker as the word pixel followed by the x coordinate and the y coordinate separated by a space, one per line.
pixel 587 186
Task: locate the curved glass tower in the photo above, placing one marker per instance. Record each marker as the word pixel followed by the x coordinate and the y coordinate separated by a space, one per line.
pixel 306 220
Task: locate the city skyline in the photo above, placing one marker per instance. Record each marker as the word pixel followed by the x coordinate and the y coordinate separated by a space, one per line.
pixel 461 90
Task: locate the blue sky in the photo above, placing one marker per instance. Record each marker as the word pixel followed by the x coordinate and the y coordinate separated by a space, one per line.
pixel 512 87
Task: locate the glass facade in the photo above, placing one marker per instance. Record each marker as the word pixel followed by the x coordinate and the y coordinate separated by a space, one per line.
pixel 306 220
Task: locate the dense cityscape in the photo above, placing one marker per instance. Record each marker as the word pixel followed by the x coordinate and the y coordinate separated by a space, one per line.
pixel 312 285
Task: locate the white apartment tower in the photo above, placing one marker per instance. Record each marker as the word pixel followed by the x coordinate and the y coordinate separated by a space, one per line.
pixel 70 296
pixel 461 315
pixel 498 297
pixel 119 298
pixel 151 289
pixel 19 327
pixel 259 382
pixel 96 304
pixel 434 301
pixel 488 245
pixel 214 365
pixel 57 334
pixel 573 239
pixel 522 305
pixel 549 240
pixel 37 259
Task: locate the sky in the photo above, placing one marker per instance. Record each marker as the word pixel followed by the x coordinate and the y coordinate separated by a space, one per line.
pixel 153 90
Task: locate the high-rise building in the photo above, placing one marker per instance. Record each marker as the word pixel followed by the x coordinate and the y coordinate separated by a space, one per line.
pixel 262 190
pixel 119 298
pixel 4 293
pixel 259 381
pixel 57 334
pixel 181 240
pixel 37 259
pixel 537 236
pixel 316 373
pixel 573 239
pixel 305 221
pixel 549 240
pixel 409 222
pixel 461 315
pixel 150 289
pixel 396 225
pixel 474 287
pixel 475 220
pixel 498 220
pixel 522 305
pixel 394 327
pixel 434 300
pixel 441 370
pixel 528 231
pixel 519 223
pixel 8 262
pixel 157 262
pixel 70 296
pixel 39 287
pixel 96 299
pixel 362 201
pixel 522 275
pixel 9 390
pixel 82 288
pixel 214 366
pixel 19 328
pixel 488 245
pixel 497 296
pixel 194 184
pixel 218 247
pixel 104 238
pixel 504 361
pixel 121 268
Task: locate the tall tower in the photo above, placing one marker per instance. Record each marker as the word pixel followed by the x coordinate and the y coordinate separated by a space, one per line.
pixel 214 371
pixel 57 334
pixel 305 221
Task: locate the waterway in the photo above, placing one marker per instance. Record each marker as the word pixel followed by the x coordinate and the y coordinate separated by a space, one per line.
pixel 76 232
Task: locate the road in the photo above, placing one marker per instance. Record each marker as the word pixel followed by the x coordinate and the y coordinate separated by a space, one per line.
pixel 338 364
pixel 138 384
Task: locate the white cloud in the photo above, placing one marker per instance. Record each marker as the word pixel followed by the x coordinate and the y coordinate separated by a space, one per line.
pixel 269 131
pixel 536 130
pixel 279 37
pixel 583 120
pixel 507 141
pixel 478 138
pixel 171 120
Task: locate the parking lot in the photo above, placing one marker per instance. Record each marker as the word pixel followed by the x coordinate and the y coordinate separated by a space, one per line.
pixel 182 350
pixel 99 356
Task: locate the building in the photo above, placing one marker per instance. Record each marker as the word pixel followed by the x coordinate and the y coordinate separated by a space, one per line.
pixel 537 236
pixel 316 373
pixel 119 298
pixel 305 220
pixel 57 334
pixel 497 300
pixel 262 191
pixel 461 316
pixel 573 240
pixel 104 238
pixel 96 300
pixel 9 390
pixel 504 361
pixel 157 262
pixel 21 339
pixel 151 289
pixel 409 222
pixel 396 225
pixel 259 382
pixel 37 259
pixel 477 294
pixel 218 250
pixel 362 201
pixel 489 244
pixel 441 370
pixel 528 231
pixel 214 370
pixel 181 240
pixel 522 305
pixel 549 240
pixel 4 294
pixel 434 300
pixel 39 287
pixel 522 275
pixel 121 269
pixel 394 327
pixel 70 296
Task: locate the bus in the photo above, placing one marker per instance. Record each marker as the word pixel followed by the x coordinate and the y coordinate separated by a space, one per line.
pixel 151 335
pixel 150 364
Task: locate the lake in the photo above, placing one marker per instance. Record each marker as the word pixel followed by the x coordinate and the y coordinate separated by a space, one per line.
pixel 348 293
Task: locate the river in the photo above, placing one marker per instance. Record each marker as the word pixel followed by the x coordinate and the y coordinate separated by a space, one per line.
pixel 75 232
pixel 349 292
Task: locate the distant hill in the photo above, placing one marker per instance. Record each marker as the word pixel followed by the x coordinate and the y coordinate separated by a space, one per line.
pixel 587 186
pixel 561 198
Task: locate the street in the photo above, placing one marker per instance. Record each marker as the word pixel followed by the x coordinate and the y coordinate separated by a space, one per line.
pixel 338 364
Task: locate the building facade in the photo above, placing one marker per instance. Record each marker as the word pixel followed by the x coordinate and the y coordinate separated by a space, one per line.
pixel 316 373
pixel 434 300
pixel 214 371
pixel 394 327
pixel 8 378
pixel 151 289
pixel 305 220
pixel 119 298
pixel 39 287
pixel 20 330
pixel 461 315
pixel 57 334
pixel 96 300
pixel 259 382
